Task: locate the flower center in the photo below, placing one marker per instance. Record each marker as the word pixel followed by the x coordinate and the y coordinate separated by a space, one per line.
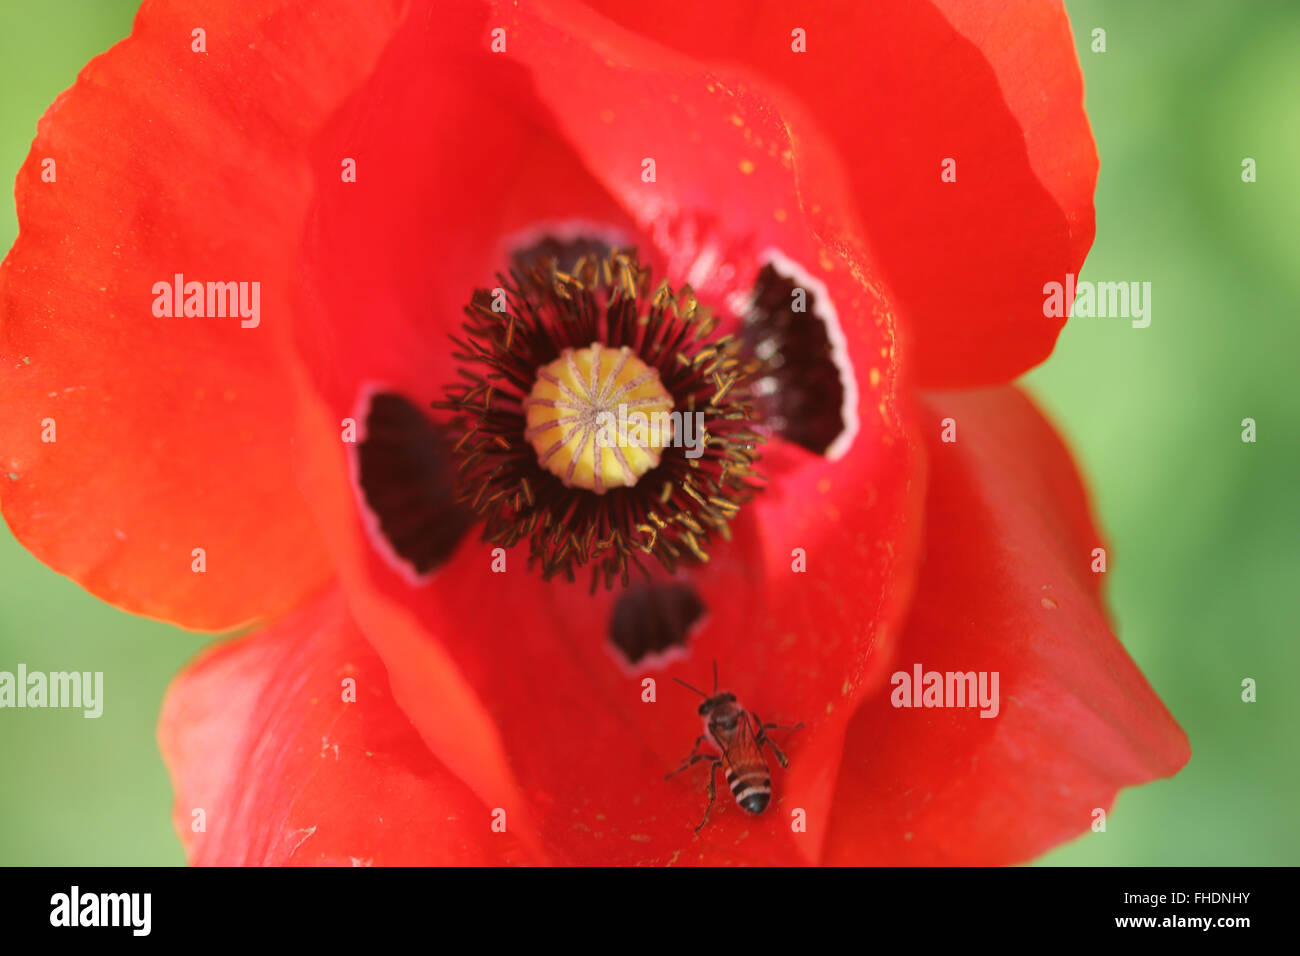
pixel 601 420
pixel 598 419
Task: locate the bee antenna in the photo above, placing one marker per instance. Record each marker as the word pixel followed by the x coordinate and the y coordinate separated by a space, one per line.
pixel 690 688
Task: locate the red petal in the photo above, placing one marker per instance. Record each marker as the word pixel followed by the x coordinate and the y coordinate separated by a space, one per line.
pixel 170 431
pixel 1007 586
pixel 588 754
pixel 454 155
pixel 426 682
pixel 1018 38
pixel 897 89
pixel 257 734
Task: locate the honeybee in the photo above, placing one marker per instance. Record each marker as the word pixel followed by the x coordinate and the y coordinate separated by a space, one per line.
pixel 740 742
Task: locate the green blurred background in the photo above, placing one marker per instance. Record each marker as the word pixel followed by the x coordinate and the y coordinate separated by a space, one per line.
pixel 1204 528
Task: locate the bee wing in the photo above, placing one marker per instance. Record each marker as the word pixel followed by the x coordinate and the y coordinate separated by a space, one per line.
pixel 741 748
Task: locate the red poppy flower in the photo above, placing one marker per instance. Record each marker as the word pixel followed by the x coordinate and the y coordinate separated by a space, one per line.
pixel 411 690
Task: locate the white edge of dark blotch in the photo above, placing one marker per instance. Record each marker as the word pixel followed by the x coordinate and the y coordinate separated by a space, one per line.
pixel 370 520
pixel 658 660
pixel 825 310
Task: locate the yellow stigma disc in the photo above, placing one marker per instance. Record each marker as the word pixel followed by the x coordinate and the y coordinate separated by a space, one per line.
pixel 598 418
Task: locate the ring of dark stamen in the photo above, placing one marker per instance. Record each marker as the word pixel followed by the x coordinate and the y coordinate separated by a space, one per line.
pixel 676 509
pixel 805 401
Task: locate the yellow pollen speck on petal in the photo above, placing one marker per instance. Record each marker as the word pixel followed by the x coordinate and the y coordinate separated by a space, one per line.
pixel 746 166
pixel 607 116
pixel 873 376
pixel 598 418
pixel 736 120
pixel 779 215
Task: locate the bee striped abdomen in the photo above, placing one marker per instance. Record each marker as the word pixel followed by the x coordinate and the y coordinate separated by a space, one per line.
pixel 751 788
pixel 740 740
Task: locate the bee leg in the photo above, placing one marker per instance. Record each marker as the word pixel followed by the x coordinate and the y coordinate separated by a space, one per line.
pixel 690 763
pixel 763 726
pixel 691 757
pixel 762 738
pixel 797 726
pixel 780 757
pixel 713 789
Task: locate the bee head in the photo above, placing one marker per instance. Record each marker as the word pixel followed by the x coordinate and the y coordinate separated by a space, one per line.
pixel 718 700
